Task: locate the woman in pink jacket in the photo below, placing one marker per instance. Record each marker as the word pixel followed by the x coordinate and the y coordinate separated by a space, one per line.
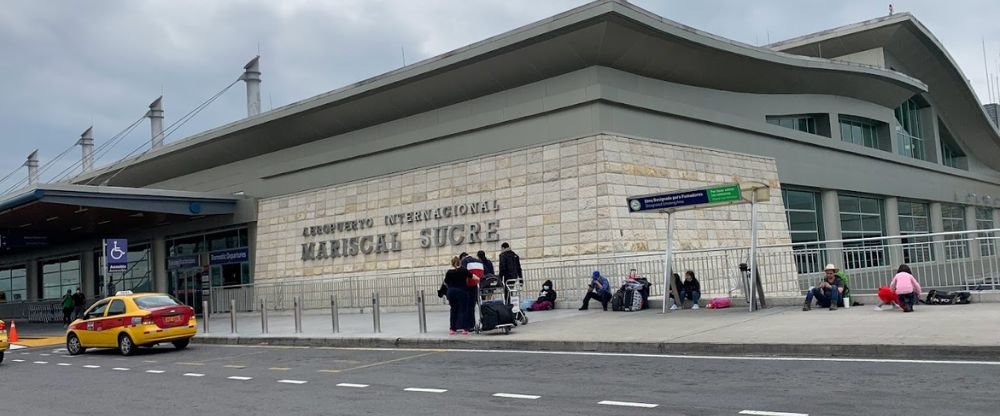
pixel 906 286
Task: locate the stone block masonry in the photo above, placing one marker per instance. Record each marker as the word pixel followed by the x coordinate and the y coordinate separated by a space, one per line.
pixel 560 201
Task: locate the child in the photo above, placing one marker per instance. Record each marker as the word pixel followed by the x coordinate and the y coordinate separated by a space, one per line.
pixel 906 287
pixel 887 297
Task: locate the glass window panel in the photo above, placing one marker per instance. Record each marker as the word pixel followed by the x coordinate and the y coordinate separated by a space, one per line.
pixel 906 224
pixel 872 224
pixel 850 223
pixel 870 206
pixel 849 203
pixel 800 200
pixel 50 267
pixel 802 221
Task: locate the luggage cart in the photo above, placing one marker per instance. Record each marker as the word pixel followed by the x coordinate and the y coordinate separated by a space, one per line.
pixel 514 289
pixel 491 291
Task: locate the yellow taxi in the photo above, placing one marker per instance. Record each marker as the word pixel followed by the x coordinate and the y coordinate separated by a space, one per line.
pixel 128 321
pixel 4 345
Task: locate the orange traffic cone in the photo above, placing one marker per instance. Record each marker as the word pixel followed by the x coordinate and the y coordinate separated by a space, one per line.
pixel 12 336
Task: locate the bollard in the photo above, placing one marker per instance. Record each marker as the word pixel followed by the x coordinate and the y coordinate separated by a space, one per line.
pixel 422 311
pixel 296 315
pixel 376 314
pixel 334 314
pixel 204 316
pixel 232 315
pixel 263 315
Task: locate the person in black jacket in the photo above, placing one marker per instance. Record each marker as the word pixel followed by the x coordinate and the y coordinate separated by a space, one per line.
pixel 510 264
pixel 690 288
pixel 79 302
pixel 546 298
pixel 458 297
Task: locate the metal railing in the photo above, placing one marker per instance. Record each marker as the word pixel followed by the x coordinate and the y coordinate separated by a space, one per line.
pixel 952 261
pixel 956 260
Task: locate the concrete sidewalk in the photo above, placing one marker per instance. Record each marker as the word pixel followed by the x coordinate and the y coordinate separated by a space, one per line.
pixel 933 332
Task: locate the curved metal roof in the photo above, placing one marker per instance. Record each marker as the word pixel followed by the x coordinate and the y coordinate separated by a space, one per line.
pixel 923 56
pixel 610 33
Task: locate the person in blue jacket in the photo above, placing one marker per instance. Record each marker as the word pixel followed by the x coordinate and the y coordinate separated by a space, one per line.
pixel 600 289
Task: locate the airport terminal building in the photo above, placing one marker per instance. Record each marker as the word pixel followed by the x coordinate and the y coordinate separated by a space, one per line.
pixel 535 137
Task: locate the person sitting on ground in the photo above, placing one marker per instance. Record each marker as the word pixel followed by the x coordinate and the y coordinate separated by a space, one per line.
pixel 829 291
pixel 599 289
pixel 906 287
pixel 677 287
pixel 546 298
pixel 690 288
pixel 887 296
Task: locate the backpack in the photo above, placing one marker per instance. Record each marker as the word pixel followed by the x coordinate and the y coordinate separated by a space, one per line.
pixel 618 301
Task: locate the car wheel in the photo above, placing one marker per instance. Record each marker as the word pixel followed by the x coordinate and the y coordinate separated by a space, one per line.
pixel 182 344
pixel 1 356
pixel 73 346
pixel 125 345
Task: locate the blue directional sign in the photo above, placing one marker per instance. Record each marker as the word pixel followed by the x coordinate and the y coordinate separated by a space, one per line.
pixel 116 254
pixel 691 198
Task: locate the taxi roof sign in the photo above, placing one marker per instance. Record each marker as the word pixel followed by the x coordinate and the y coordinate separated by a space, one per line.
pixel 124 293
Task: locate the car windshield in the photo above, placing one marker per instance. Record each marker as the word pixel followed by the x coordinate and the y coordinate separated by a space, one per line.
pixel 151 302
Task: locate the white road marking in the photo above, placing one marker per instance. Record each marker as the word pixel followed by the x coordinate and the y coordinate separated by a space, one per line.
pixel 419 390
pixel 23 353
pixel 65 364
pixel 155 371
pixel 353 386
pixel 41 362
pixel 239 378
pixel 193 375
pixel 766 413
pixel 293 381
pixel 120 369
pixel 18 347
pixel 517 396
pixel 18 361
pixel 628 404
pixel 45 355
pixel 687 357
pixel 91 366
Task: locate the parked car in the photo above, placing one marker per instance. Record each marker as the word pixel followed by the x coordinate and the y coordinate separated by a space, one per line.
pixel 127 321
pixel 4 344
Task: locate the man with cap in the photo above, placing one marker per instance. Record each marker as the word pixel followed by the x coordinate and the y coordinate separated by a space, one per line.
pixel 600 289
pixel 829 291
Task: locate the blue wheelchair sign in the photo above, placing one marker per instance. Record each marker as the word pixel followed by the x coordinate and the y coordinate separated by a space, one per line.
pixel 116 254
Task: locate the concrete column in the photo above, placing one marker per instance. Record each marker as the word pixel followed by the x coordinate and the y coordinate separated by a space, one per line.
pixel 159 259
pixel 892 229
pixel 34 279
pixel 86 143
pixel 937 226
pixel 88 279
pixel 252 243
pixel 32 164
pixel 835 127
pixel 971 225
pixel 831 227
pixel 251 76
pixel 155 115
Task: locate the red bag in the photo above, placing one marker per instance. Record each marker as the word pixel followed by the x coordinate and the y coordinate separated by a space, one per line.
pixel 719 303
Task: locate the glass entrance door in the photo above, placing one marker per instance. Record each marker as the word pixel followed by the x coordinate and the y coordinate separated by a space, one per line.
pixel 186 286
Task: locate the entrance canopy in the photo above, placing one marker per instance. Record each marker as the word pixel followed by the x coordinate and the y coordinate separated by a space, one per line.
pixel 50 214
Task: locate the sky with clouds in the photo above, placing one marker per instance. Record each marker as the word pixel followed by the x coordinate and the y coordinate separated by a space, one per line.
pixel 66 65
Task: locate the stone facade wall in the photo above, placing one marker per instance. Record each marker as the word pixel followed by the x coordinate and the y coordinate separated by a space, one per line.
pixel 552 202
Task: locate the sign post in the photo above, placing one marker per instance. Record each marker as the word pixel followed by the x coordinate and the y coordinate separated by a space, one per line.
pixel 115 259
pixel 700 198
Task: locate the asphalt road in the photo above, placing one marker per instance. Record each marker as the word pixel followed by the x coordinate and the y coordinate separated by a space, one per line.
pixel 221 380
